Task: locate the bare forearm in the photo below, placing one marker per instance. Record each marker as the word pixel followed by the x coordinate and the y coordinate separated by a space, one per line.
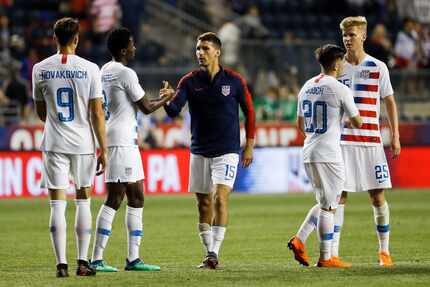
pixel 393 118
pixel 98 121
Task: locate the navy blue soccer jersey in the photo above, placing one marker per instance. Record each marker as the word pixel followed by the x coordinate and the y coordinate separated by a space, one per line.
pixel 214 109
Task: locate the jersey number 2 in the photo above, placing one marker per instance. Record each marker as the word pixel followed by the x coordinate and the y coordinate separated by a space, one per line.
pixel 313 111
pixel 65 100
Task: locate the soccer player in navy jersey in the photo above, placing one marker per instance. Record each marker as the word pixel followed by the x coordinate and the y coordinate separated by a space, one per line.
pixel 214 94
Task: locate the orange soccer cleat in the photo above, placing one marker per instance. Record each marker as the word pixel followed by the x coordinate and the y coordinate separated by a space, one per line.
pixel 385 259
pixel 339 262
pixel 298 248
pixel 330 263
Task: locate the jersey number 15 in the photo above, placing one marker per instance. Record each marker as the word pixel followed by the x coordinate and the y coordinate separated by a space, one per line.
pixel 312 113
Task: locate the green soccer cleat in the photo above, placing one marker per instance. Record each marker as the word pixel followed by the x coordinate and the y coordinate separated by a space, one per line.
pixel 101 266
pixel 138 265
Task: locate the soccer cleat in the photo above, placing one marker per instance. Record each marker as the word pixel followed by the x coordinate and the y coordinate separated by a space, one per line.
pixel 330 263
pixel 84 269
pixel 101 266
pixel 339 262
pixel 385 259
pixel 210 261
pixel 298 248
pixel 62 270
pixel 138 265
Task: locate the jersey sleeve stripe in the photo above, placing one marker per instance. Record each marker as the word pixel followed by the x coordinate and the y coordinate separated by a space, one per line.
pixel 370 114
pixel 250 113
pixel 367 88
pixel 365 100
pixel 356 138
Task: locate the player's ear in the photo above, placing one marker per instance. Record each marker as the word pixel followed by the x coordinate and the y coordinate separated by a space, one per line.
pixel 218 52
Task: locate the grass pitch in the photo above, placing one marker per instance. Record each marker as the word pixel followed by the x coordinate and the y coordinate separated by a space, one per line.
pixel 254 252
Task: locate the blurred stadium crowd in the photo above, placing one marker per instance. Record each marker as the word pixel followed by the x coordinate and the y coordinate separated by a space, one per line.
pixel 271 42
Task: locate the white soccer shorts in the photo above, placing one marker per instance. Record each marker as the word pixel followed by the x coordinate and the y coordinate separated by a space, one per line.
pixel 327 180
pixel 206 172
pixel 58 166
pixel 366 168
pixel 124 164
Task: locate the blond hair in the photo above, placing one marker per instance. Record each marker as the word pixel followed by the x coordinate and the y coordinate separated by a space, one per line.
pixel 353 21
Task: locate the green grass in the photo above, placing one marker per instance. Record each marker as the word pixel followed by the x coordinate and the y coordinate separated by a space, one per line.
pixel 254 252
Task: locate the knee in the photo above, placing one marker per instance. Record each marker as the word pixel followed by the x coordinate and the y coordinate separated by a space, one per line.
pixel 377 197
pixel 114 200
pixel 204 203
pixel 136 200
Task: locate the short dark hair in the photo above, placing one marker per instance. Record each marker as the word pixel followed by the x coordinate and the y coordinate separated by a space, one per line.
pixel 327 55
pixel 117 40
pixel 65 29
pixel 210 37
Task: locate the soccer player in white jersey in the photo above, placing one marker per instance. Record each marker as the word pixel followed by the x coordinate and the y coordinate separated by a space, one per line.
pixel 363 153
pixel 68 97
pixel 124 174
pixel 321 104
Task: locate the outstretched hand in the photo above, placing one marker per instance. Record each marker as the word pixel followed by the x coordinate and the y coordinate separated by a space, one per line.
pixel 167 92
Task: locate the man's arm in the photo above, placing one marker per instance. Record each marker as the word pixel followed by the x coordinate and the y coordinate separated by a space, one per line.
pixel 149 106
pixel 300 122
pixel 98 122
pixel 393 122
pixel 174 107
pixel 245 101
pixel 41 109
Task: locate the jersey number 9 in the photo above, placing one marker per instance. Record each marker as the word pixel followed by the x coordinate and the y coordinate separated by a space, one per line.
pixel 65 100
pixel 312 112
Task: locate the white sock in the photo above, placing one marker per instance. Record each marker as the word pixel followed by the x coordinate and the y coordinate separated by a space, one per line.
pixel 205 234
pixel 325 233
pixel 58 227
pixel 218 233
pixel 83 222
pixel 382 221
pixel 103 231
pixel 338 223
pixel 134 222
pixel 309 224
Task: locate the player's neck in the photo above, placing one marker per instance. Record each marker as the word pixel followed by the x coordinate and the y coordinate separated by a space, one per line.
pixel 69 50
pixel 331 73
pixel 212 70
pixel 355 57
pixel 122 60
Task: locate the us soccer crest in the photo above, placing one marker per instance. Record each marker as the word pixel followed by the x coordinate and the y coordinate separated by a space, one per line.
pixel 225 90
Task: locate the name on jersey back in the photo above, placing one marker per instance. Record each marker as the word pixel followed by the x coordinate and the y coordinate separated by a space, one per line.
pixel 315 91
pixel 64 74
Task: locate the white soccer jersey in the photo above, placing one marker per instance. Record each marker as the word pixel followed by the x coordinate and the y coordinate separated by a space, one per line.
pixel 67 83
pixel 322 102
pixel 370 82
pixel 121 89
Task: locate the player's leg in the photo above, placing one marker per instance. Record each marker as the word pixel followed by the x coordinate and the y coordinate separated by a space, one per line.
pixel 330 178
pixel 55 177
pixel 200 183
pixel 83 171
pixel 219 226
pixel 223 174
pixel 105 217
pixel 134 223
pixel 377 179
pixel 381 214
pixel 338 224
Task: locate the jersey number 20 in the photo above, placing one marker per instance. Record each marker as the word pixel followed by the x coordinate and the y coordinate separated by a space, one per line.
pixel 312 112
pixel 65 100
